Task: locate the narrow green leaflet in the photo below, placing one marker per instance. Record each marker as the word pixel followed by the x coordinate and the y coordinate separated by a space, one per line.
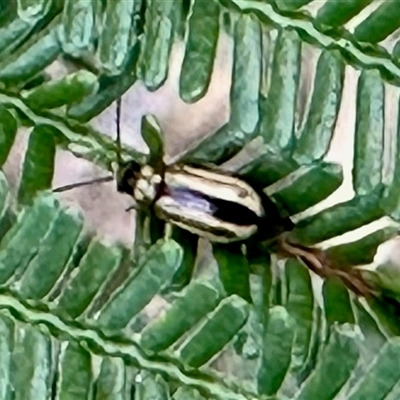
pixel 161 263
pixel 308 186
pixel 277 350
pixel 216 332
pixel 339 219
pixel 197 300
pixel 32 57
pixel 200 50
pixel 68 90
pixel 95 268
pixel 74 371
pixel 383 374
pixel 8 130
pixel 108 91
pixel 32 349
pixel 300 305
pixel 47 265
pixel 379 24
pixel 277 120
pixel 19 246
pixel 337 304
pixel 334 13
pixel 118 35
pixel 111 382
pixel 391 195
pixel 234 270
pixel 17 29
pixel 317 132
pixel 151 388
pixel 6 350
pixel 162 23
pixel 38 167
pixel 335 365
pixel 362 251
pixel 368 146
pixel 79 26
pixel 244 96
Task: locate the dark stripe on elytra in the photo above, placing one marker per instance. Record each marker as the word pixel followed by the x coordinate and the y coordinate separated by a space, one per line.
pixel 224 210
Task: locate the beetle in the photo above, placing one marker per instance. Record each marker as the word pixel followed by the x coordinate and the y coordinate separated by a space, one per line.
pixel 220 207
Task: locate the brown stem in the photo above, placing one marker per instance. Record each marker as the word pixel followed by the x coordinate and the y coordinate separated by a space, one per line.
pixel 318 262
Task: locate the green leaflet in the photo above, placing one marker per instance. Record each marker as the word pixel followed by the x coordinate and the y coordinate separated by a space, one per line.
pixel 277 349
pixel 79 26
pixel 383 374
pixel 38 168
pixel 47 265
pixel 163 22
pixel 68 90
pixel 160 265
pixel 32 57
pixel 197 300
pixel 368 145
pixel 339 219
pixel 317 132
pixel 151 388
pixel 111 383
pixel 74 373
pixel 200 50
pixel 19 245
pixel 6 348
pixel 379 24
pixel 337 304
pixel 333 13
pixel 335 365
pixel 215 332
pixel 308 186
pixel 234 271
pixel 244 96
pixel 8 130
pixel 22 24
pixel 300 306
pixel 118 36
pixel 362 251
pixel 33 350
pixel 95 268
pixel 278 111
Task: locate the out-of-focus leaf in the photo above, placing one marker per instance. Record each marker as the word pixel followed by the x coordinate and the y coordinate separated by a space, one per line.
pixel 71 89
pixel 162 24
pixel 200 50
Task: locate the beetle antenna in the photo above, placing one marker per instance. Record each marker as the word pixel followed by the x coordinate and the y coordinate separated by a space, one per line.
pixel 118 139
pixel 84 183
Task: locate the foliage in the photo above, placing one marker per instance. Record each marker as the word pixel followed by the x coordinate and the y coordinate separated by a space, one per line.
pixel 73 322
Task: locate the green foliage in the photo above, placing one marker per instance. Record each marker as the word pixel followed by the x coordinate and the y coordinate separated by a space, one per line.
pixel 73 317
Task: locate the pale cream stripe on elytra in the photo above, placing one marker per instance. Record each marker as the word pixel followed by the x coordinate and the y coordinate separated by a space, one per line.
pixel 216 185
pixel 193 220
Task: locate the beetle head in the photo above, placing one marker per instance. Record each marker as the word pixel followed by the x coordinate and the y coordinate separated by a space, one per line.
pixel 127 176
